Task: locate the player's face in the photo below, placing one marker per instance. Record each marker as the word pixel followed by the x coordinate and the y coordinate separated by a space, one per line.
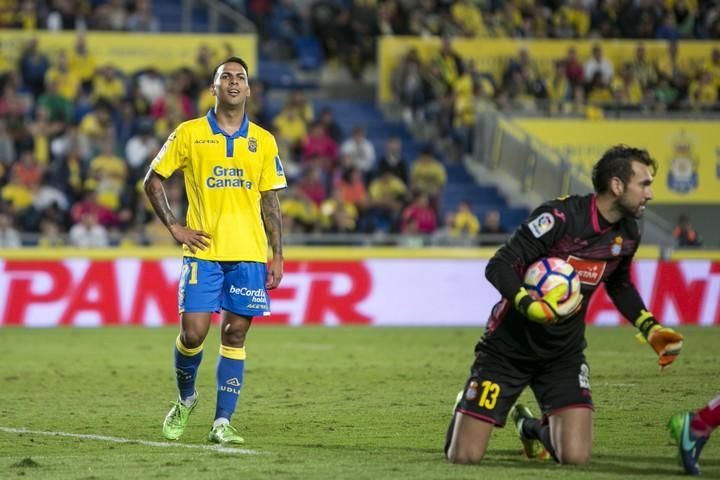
pixel 637 192
pixel 231 85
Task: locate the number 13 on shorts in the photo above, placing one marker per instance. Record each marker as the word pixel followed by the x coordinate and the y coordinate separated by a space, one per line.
pixel 487 393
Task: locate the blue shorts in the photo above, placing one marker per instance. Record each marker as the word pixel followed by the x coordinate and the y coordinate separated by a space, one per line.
pixel 238 287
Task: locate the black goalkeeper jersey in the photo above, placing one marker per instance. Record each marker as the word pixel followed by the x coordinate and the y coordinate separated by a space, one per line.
pixel 570 228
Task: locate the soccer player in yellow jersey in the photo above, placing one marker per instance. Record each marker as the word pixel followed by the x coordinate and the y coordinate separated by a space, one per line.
pixel 232 172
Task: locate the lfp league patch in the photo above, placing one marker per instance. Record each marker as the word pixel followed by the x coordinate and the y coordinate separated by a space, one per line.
pixel 542 224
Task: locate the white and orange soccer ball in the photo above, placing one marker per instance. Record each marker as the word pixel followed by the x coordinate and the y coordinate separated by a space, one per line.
pixel 546 274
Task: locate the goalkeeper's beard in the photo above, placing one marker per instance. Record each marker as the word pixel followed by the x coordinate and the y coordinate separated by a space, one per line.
pixel 628 212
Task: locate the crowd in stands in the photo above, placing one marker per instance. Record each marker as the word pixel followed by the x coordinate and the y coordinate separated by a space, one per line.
pixel 347 30
pixel 446 91
pixel 57 15
pixel 77 136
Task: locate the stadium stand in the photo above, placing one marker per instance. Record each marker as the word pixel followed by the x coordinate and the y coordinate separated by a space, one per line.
pixel 312 58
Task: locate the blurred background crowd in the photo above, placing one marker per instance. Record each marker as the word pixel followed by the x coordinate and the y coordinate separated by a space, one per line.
pixel 77 133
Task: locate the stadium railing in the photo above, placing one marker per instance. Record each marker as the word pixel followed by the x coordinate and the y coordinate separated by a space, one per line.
pixel 500 146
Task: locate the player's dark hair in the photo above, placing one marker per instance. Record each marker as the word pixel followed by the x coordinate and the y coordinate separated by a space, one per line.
pixel 231 60
pixel 617 162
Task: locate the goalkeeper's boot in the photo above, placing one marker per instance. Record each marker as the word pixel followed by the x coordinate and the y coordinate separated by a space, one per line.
pixel 225 434
pixel 177 418
pixel 533 448
pixel 689 444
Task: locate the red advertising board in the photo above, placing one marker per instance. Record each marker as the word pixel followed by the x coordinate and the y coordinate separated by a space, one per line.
pixel 387 292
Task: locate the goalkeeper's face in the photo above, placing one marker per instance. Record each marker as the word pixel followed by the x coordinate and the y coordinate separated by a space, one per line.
pixel 636 192
pixel 230 86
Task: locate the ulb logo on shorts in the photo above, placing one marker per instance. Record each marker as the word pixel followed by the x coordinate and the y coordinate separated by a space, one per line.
pixel 252 144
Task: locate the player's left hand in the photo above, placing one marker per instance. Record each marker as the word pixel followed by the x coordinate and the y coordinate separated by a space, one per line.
pixel 274 273
pixel 666 342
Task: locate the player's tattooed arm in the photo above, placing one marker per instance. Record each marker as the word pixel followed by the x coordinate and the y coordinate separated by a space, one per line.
pixel 156 194
pixel 270 207
pixel 194 239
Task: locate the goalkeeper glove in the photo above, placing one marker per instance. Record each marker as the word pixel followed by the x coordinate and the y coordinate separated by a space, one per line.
pixel 665 341
pixel 544 310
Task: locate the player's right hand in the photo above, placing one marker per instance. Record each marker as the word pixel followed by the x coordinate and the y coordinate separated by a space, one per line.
pixel 544 310
pixel 194 239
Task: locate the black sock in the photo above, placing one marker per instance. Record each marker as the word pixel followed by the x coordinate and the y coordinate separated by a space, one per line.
pixel 448 436
pixel 533 428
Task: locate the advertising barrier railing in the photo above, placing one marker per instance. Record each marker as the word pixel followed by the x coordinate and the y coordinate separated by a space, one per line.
pixel 379 290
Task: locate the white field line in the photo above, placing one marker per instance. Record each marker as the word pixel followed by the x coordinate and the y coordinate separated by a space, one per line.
pixel 104 438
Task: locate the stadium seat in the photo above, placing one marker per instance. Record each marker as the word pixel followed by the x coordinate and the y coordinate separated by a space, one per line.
pixel 309 53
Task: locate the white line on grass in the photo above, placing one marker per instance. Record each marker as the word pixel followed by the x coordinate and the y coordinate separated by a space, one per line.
pixel 104 438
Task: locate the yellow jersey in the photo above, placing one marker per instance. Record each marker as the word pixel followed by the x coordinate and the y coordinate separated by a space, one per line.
pixel 224 176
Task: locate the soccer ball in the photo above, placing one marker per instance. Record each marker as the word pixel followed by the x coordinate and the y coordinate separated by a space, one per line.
pixel 546 274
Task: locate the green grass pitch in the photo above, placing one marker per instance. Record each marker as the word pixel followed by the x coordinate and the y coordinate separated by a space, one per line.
pixel 321 403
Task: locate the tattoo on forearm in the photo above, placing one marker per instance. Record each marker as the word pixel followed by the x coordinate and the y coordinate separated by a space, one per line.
pixel 270 207
pixel 156 194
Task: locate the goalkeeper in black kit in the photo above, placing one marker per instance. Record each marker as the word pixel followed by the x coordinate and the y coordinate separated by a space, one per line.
pixel 526 343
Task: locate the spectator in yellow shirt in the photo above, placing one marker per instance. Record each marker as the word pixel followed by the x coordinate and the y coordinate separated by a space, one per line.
pixel 68 81
pixel 338 215
pixel 463 222
pixel 290 124
pixel 299 213
pixel 558 88
pixel 108 86
pixel 672 67
pixel 16 194
pixel 427 175
pixel 645 70
pixel 82 62
pixel 576 15
pixel 97 126
pixel 448 64
pixel 626 88
pixel 387 198
pixel 703 92
pixel 468 18
pixel 712 65
pixel 108 172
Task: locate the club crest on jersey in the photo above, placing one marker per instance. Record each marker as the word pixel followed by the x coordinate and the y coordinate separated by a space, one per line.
pixel 472 391
pixel 542 224
pixel 617 246
pixel 252 144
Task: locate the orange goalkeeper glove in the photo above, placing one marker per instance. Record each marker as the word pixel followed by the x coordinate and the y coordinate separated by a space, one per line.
pixel 665 341
pixel 543 310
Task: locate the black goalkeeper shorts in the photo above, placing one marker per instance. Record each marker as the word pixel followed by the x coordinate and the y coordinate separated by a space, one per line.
pixel 496 382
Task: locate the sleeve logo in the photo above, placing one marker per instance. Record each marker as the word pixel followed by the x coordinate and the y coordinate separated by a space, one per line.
pixel 542 224
pixel 278 167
